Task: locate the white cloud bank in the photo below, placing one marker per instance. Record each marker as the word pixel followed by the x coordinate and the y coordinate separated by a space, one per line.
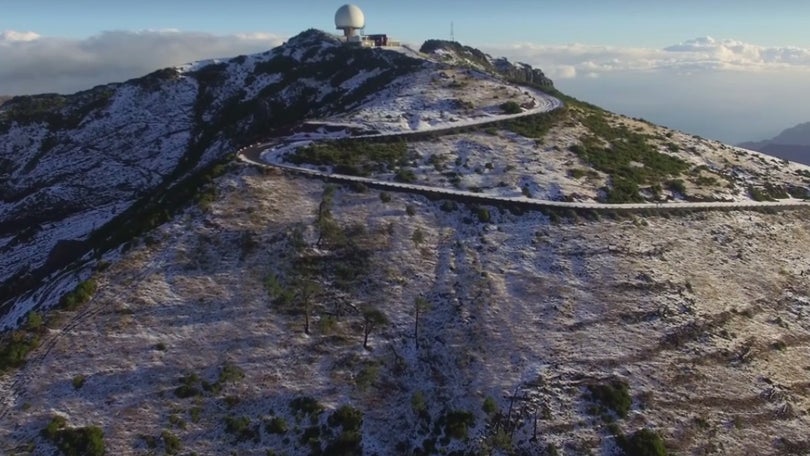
pixel 701 54
pixel 30 63
pixel 723 89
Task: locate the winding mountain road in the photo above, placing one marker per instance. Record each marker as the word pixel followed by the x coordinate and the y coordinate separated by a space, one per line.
pixel 255 154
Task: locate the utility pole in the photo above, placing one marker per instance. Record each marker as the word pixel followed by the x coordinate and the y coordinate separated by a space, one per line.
pixel 452 32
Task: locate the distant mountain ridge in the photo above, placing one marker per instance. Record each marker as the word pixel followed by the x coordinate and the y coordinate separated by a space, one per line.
pixel 792 144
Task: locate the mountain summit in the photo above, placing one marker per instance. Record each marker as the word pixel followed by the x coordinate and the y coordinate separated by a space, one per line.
pixel 327 249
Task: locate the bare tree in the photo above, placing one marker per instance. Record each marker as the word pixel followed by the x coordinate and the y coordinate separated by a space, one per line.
pixel 372 318
pixel 324 222
pixel 308 290
pixel 420 305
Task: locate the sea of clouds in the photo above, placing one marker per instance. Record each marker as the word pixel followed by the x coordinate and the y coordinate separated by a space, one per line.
pixel 32 63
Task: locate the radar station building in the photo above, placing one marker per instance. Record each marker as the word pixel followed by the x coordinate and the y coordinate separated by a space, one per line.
pixel 351 20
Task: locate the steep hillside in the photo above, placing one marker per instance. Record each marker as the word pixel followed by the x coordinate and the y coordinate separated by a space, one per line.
pixel 196 337
pixel 221 307
pixel 120 158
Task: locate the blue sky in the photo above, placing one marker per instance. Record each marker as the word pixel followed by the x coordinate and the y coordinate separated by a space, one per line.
pixel 654 23
pixel 728 69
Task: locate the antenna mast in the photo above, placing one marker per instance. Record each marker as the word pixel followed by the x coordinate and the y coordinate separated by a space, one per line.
pixel 452 32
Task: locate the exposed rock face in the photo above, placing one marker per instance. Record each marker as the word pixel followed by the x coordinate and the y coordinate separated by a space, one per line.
pixel 522 72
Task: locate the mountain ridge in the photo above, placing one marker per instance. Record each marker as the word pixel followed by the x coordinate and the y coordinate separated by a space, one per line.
pixel 791 144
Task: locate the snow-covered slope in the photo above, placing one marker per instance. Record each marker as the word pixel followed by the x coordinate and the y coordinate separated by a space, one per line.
pixel 703 317
pixel 72 164
pixel 239 325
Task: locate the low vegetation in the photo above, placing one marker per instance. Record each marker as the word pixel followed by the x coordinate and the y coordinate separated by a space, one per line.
pixel 644 442
pixel 626 156
pixel 81 441
pixel 613 395
pixel 355 157
pixel 80 295
pixel 17 344
pixel 511 107
pixel 537 125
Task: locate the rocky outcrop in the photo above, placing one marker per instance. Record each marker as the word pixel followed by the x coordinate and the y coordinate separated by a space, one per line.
pixel 522 73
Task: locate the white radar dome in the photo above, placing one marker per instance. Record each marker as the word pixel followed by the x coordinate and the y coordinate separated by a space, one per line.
pixel 350 17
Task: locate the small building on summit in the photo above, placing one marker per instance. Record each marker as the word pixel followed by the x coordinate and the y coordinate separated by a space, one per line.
pixel 351 20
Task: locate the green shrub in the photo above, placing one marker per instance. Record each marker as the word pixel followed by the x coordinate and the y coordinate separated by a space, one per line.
pixel 80 295
pixel 410 209
pixel 643 442
pixel 614 395
pixel 171 443
pixel 276 425
pixel 677 186
pixel 195 413
pixel 53 427
pixel 623 191
pixel 241 428
pixel 188 386
pixel 350 439
pixel 78 381
pixel 405 175
pixel 457 423
pixel 15 346
pixel 511 107
pixel 448 206
pixel 537 125
pixel 367 375
pixel 490 406
pixel 418 236
pixel 385 197
pixel 34 322
pixel 232 401
pixel 305 405
pixel 768 192
pixel 280 295
pixel 483 215
pixel 176 421
pixel 83 441
pixel 230 373
pixel 346 417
